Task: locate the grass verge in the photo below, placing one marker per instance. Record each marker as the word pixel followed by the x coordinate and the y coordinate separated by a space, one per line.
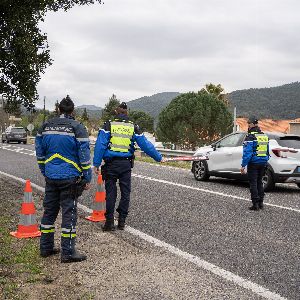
pixel 178 164
pixel 20 262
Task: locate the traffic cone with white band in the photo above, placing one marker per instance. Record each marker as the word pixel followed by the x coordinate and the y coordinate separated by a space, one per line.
pixel 28 226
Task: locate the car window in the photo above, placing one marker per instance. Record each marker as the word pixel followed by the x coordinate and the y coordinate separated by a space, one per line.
pixel 233 140
pixel 289 141
pixel 18 130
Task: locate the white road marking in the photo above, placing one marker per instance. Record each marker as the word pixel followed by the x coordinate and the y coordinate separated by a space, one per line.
pixel 209 191
pixel 17 149
pixel 8 147
pixel 240 281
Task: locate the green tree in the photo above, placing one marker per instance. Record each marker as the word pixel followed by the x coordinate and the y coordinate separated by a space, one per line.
pixel 145 121
pixel 13 108
pixel 193 119
pixel 215 90
pixel 24 53
pixel 110 107
pixel 84 116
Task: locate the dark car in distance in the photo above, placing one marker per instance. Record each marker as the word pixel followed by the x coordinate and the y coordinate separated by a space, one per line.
pixel 14 134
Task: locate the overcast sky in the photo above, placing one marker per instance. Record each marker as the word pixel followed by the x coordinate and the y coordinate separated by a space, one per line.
pixel 136 48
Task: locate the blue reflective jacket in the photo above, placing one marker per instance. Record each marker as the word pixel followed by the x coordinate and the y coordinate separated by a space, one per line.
pixel 249 149
pixel 102 150
pixel 63 149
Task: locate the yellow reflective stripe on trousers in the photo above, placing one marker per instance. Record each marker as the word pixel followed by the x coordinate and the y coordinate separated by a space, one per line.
pixel 56 155
pixel 47 230
pixel 68 235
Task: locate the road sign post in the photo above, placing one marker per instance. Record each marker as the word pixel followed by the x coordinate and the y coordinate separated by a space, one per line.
pixel 30 127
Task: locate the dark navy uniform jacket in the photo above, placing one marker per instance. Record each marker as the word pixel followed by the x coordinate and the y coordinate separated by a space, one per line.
pixel 63 149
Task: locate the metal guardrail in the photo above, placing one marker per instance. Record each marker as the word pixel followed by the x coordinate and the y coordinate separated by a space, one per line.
pixel 164 152
pixel 172 153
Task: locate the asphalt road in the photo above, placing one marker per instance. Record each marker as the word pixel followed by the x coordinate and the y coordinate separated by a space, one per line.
pixel 207 219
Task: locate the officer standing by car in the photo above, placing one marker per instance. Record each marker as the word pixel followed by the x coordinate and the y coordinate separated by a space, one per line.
pixel 255 158
pixel 63 154
pixel 115 145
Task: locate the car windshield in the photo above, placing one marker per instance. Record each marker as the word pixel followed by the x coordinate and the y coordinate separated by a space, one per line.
pixel 289 141
pixel 18 130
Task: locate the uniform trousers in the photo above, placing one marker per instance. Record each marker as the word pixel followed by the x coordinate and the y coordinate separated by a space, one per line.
pixel 255 175
pixel 117 169
pixel 59 194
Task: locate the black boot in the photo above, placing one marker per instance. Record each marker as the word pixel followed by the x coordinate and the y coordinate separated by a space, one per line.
pixel 75 257
pixel 254 207
pixel 109 225
pixel 121 223
pixel 46 253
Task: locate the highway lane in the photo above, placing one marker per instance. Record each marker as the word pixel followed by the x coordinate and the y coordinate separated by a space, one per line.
pixel 262 247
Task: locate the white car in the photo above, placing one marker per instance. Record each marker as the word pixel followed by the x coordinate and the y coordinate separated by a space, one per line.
pixel 225 157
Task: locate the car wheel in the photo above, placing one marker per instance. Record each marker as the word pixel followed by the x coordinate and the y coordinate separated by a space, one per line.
pixel 3 141
pixel 7 141
pixel 268 181
pixel 200 170
pixel 19 142
pixel 298 184
pixel 24 143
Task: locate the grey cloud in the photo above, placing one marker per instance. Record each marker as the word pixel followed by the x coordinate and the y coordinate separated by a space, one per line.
pixel 138 47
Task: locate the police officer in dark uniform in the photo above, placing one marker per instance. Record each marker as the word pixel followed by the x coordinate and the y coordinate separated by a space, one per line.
pixel 63 154
pixel 115 145
pixel 255 157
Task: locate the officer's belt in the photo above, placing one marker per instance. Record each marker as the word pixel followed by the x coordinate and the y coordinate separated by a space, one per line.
pixel 118 158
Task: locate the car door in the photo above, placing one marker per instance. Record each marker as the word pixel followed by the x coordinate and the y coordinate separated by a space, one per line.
pixel 227 156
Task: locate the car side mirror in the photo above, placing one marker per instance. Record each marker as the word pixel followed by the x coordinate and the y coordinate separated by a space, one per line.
pixel 214 146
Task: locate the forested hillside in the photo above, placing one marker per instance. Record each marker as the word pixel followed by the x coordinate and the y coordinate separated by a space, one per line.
pixel 281 102
pixel 154 104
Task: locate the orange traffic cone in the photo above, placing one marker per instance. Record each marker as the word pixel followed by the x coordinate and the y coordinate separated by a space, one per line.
pixel 27 225
pixel 99 203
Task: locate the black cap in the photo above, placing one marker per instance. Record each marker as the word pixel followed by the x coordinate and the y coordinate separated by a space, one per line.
pixel 252 120
pixel 123 105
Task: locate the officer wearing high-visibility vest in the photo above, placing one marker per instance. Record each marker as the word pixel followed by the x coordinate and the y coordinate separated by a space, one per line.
pixel 115 145
pixel 63 154
pixel 255 158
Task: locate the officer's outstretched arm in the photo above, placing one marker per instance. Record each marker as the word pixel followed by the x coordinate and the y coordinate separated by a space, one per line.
pixel 147 147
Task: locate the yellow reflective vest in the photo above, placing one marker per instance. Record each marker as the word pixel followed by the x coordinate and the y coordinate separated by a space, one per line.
pixel 121 135
pixel 262 144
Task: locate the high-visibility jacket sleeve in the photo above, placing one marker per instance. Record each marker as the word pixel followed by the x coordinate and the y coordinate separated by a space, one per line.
pixel 84 154
pixel 40 151
pixel 101 145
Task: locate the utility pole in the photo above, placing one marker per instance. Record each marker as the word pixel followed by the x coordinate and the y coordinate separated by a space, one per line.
pixel 234 119
pixel 44 114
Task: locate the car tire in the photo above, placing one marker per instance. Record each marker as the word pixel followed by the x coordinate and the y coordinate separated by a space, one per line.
pixel 19 142
pixel 298 184
pixel 268 181
pixel 24 143
pixel 7 141
pixel 200 170
pixel 3 141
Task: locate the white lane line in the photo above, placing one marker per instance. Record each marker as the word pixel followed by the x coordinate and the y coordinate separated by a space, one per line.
pixel 178 184
pixel 240 281
pixel 209 191
pixel 17 149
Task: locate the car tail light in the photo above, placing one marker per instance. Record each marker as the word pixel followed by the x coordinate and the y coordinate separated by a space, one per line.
pixel 282 152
